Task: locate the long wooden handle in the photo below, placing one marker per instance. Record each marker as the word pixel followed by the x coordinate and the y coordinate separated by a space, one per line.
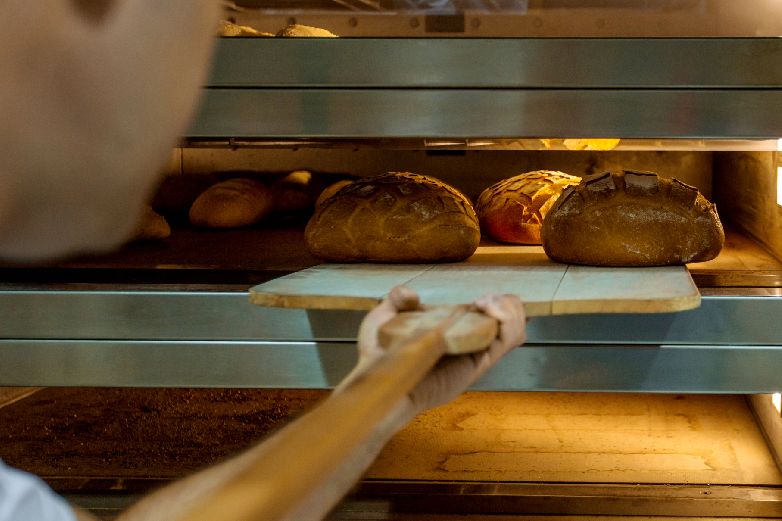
pixel 309 455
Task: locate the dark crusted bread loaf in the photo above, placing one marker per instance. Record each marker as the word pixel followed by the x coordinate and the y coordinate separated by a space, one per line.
pixel 513 209
pixel 632 219
pixel 394 217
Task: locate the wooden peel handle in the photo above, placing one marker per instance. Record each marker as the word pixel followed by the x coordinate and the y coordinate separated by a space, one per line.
pixel 470 330
pixel 310 456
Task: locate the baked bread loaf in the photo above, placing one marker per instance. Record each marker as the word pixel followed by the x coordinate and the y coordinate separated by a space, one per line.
pixel 394 217
pixel 231 204
pixel 513 209
pixel 632 219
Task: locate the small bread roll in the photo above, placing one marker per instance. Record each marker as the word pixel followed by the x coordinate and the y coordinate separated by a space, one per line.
pixel 293 193
pixel 331 190
pixel 232 204
pixel 297 30
pixel 151 226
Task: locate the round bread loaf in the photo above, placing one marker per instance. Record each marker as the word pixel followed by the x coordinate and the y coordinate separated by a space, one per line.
pixel 512 210
pixel 632 219
pixel 394 217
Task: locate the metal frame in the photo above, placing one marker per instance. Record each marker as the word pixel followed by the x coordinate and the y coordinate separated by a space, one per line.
pixel 40 315
pixel 407 500
pixel 498 63
pixel 565 499
pixel 218 339
pixel 711 88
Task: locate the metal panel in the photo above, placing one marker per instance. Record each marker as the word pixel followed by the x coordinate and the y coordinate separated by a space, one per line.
pixel 136 338
pixel 498 63
pixel 184 315
pixel 457 113
pixel 174 364
pixel 161 315
pixel 508 500
pixel 492 501
pixel 664 368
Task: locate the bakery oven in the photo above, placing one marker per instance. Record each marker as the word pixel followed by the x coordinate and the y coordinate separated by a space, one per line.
pixel 664 414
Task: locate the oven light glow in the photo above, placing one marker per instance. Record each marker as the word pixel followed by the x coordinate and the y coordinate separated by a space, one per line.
pixel 776 399
pixel 779 185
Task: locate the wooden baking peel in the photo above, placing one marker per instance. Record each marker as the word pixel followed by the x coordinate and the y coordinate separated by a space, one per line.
pixel 296 474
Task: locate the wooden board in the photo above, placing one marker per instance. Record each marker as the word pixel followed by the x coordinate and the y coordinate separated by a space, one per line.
pixel 547 288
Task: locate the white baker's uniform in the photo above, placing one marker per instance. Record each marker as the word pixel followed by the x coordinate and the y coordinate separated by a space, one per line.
pixel 24 497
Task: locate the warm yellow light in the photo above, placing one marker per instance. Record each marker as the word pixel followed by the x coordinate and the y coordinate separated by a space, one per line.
pixel 779 185
pixel 776 399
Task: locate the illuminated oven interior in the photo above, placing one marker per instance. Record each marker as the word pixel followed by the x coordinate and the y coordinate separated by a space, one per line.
pixel 125 370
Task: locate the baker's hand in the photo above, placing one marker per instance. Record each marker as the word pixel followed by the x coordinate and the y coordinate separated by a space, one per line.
pixel 401 298
pixel 453 374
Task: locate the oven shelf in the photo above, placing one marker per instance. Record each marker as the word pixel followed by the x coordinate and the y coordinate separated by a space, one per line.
pixel 103 321
pixel 483 455
pixel 198 259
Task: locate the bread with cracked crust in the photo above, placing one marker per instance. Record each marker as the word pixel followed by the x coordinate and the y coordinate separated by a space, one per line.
pixel 512 210
pixel 398 217
pixel 632 218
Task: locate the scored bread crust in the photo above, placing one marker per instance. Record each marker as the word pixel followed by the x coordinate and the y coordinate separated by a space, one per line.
pixel 394 217
pixel 512 210
pixel 632 218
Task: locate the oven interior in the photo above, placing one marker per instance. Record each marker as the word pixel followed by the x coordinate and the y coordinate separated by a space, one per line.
pixel 125 370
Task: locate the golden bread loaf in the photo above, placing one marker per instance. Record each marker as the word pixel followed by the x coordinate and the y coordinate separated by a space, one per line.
pixel 394 217
pixel 512 210
pixel 231 204
pixel 632 219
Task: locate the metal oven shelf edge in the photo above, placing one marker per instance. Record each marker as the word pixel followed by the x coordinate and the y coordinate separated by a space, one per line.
pixel 189 339
pixel 709 88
